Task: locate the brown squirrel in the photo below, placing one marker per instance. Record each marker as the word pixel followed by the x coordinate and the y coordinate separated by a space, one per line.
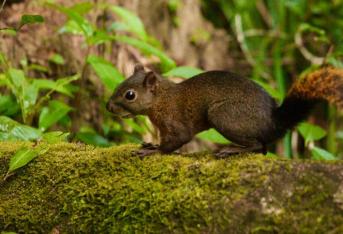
pixel 235 106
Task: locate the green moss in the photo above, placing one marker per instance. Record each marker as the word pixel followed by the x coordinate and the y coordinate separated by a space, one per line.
pixel 75 188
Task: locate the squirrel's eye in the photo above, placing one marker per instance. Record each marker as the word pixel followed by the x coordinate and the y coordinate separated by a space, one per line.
pixel 130 95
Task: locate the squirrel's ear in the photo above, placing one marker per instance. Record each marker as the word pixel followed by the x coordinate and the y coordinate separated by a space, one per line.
pixel 138 67
pixel 150 81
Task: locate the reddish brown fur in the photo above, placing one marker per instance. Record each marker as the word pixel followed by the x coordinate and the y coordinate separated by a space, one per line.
pixel 326 84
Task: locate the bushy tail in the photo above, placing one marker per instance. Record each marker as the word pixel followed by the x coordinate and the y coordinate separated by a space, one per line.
pixel 324 84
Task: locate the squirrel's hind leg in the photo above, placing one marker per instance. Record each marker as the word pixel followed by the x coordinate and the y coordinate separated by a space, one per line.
pixel 243 124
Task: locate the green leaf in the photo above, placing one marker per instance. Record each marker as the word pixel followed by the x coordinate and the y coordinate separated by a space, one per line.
pixel 184 72
pixel 17 78
pixel 310 28
pixel 12 130
pixel 320 33
pixel 136 127
pixel 80 22
pixel 131 21
pixel 82 8
pixel 30 19
pixel 26 133
pixel 93 139
pixel 71 27
pixel 57 59
pixel 55 137
pixel 339 135
pixel 52 114
pixel 272 91
pixel 99 36
pixel 38 67
pixel 9 31
pixel 8 105
pixel 25 93
pixel 311 132
pixel 4 136
pixel 61 85
pixel 319 153
pixel 3 80
pixel 107 73
pixel 22 157
pixel 213 136
pixel 118 26
pixel 335 62
pixel 65 83
pixel 166 62
pixel 298 7
pixel 30 94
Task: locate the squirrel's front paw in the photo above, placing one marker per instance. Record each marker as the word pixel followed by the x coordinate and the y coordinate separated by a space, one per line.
pixel 146 152
pixel 151 146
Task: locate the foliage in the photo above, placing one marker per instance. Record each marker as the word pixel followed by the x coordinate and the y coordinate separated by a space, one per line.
pixel 312 133
pixel 25 19
pixel 30 19
pixel 213 136
pixel 108 74
pixel 26 91
pixel 25 98
pixel 184 72
pixel 12 130
pixel 21 158
pixel 51 114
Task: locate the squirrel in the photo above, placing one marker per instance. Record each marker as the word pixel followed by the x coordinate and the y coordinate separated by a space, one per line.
pixel 235 106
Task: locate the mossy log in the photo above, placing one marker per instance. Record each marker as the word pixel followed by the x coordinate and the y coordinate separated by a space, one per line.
pixel 74 188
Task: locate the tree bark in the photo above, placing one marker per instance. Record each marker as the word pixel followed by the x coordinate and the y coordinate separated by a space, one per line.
pixel 74 188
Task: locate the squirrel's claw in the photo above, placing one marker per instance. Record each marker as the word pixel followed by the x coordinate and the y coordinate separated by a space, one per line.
pixel 147 149
pixel 225 154
pixel 145 152
pixel 151 146
pixel 232 150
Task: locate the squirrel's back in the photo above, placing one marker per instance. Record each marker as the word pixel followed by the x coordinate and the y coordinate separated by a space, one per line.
pixel 234 99
pixel 223 85
pixel 251 107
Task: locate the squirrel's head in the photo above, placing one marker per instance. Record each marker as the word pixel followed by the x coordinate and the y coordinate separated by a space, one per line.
pixel 135 95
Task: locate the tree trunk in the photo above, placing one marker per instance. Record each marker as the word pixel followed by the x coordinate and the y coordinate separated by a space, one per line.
pixel 74 188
